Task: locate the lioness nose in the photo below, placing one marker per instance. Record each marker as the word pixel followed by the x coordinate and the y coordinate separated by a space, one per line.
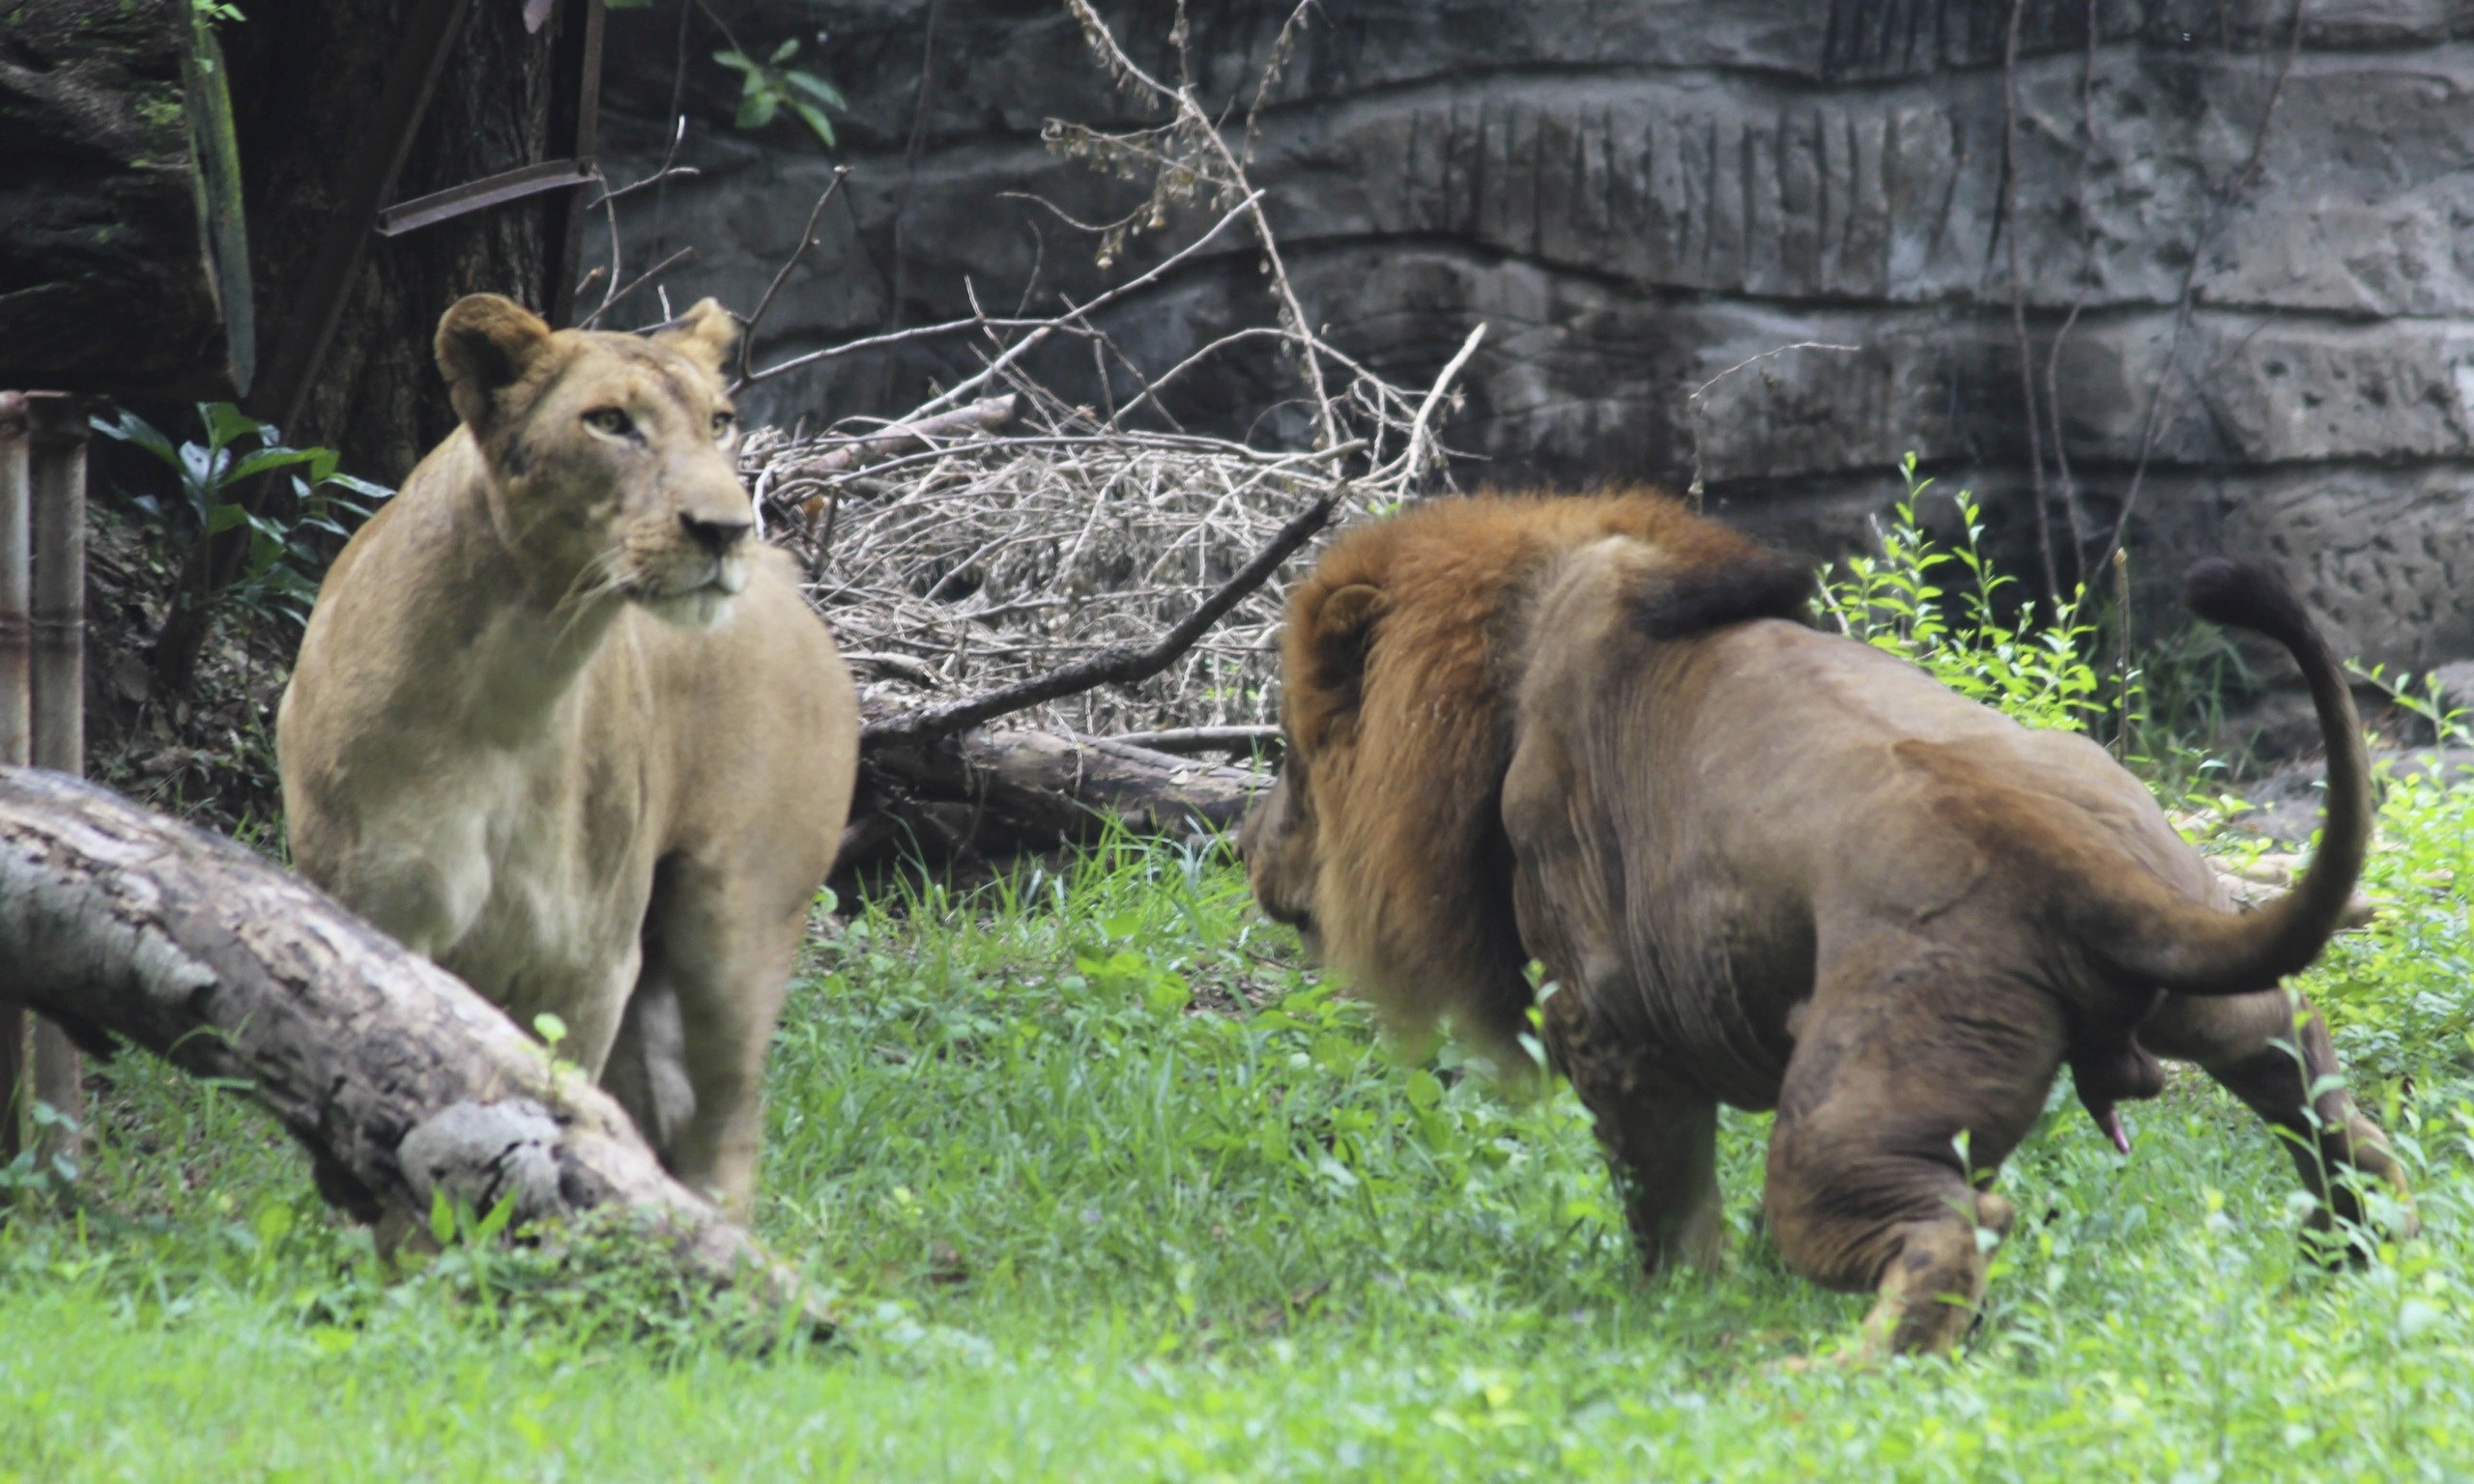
pixel 715 536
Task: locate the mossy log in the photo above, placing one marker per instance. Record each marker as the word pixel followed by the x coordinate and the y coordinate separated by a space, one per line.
pixel 124 265
pixel 125 925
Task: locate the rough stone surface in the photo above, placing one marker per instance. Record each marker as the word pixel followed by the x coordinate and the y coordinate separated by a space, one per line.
pixel 1640 194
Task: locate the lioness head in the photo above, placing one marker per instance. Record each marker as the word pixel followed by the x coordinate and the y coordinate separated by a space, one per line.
pixel 611 456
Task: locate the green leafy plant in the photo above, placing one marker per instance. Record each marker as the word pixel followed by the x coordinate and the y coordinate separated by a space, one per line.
pixel 2421 697
pixel 1974 639
pixel 286 552
pixel 53 1175
pixel 772 85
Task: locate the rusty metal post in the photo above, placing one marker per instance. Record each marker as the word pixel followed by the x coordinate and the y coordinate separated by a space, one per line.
pixel 16 717
pixel 58 438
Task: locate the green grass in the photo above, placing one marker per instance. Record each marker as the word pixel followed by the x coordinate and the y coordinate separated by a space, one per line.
pixel 1110 1189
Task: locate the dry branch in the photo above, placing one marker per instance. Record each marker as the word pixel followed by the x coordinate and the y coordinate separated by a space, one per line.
pixel 125 925
pixel 1184 741
pixel 982 417
pixel 1123 665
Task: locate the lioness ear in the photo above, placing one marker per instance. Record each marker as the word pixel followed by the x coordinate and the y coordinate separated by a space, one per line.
pixel 485 343
pixel 1343 630
pixel 705 334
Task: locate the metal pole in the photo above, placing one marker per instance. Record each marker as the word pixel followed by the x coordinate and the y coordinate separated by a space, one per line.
pixel 16 720
pixel 59 521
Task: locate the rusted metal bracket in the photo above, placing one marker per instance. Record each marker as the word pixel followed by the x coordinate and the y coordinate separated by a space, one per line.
pixel 488 191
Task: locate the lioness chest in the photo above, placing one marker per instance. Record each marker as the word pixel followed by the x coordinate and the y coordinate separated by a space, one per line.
pixel 525 870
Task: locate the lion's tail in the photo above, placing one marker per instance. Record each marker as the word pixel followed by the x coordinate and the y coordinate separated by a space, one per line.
pixel 2183 946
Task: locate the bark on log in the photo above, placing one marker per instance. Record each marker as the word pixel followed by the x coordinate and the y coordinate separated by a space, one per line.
pixel 124 924
pixel 989 791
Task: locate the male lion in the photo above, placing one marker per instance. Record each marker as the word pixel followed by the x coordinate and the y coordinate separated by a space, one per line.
pixel 560 724
pixel 1775 868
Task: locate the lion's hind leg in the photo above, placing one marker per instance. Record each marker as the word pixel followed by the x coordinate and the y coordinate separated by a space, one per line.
pixel 1899 1099
pixel 1662 1140
pixel 2272 1050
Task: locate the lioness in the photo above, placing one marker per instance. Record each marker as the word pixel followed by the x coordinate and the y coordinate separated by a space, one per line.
pixel 560 724
pixel 1775 868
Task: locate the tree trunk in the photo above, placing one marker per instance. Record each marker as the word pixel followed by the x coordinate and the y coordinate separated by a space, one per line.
pixel 121 925
pixel 307 75
pixel 310 79
pixel 122 261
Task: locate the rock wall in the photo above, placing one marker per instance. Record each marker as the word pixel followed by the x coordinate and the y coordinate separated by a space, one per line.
pixel 1639 195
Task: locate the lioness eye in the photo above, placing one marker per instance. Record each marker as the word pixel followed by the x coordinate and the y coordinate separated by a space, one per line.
pixel 610 421
pixel 723 422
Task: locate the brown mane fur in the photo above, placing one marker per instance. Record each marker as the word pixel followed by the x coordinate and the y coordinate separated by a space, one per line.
pixel 1410 757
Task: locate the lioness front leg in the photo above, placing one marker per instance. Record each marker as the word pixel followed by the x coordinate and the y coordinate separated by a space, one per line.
pixel 2272 1050
pixel 729 970
pixel 1661 1141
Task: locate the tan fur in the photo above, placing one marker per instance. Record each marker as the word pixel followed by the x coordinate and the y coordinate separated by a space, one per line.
pixel 1768 868
pixel 559 724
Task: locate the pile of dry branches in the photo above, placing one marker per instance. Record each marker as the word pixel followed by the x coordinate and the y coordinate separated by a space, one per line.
pixel 1003 549
pixel 990 560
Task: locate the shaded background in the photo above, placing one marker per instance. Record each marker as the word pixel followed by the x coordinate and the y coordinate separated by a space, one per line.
pixel 1638 194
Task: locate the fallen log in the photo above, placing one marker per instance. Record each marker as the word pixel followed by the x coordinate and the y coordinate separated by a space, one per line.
pixel 1186 740
pixel 123 924
pixel 984 792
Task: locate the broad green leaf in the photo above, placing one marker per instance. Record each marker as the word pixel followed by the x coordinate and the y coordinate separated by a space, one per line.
pixel 225 422
pixel 133 429
pixel 265 458
pixel 814 117
pixel 824 92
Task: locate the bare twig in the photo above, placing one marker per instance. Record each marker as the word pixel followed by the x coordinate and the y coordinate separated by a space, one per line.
pixel 2068 485
pixel 1186 740
pixel 982 322
pixel 901 436
pixel 2122 651
pixel 660 177
pixel 2019 300
pixel 682 255
pixel 1693 400
pixel 1413 458
pixel 1123 665
pixel 968 385
pixel 1204 130
pixel 807 239
pixel 2187 300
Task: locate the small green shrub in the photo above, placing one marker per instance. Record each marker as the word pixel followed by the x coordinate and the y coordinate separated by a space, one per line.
pixel 287 550
pixel 1978 642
